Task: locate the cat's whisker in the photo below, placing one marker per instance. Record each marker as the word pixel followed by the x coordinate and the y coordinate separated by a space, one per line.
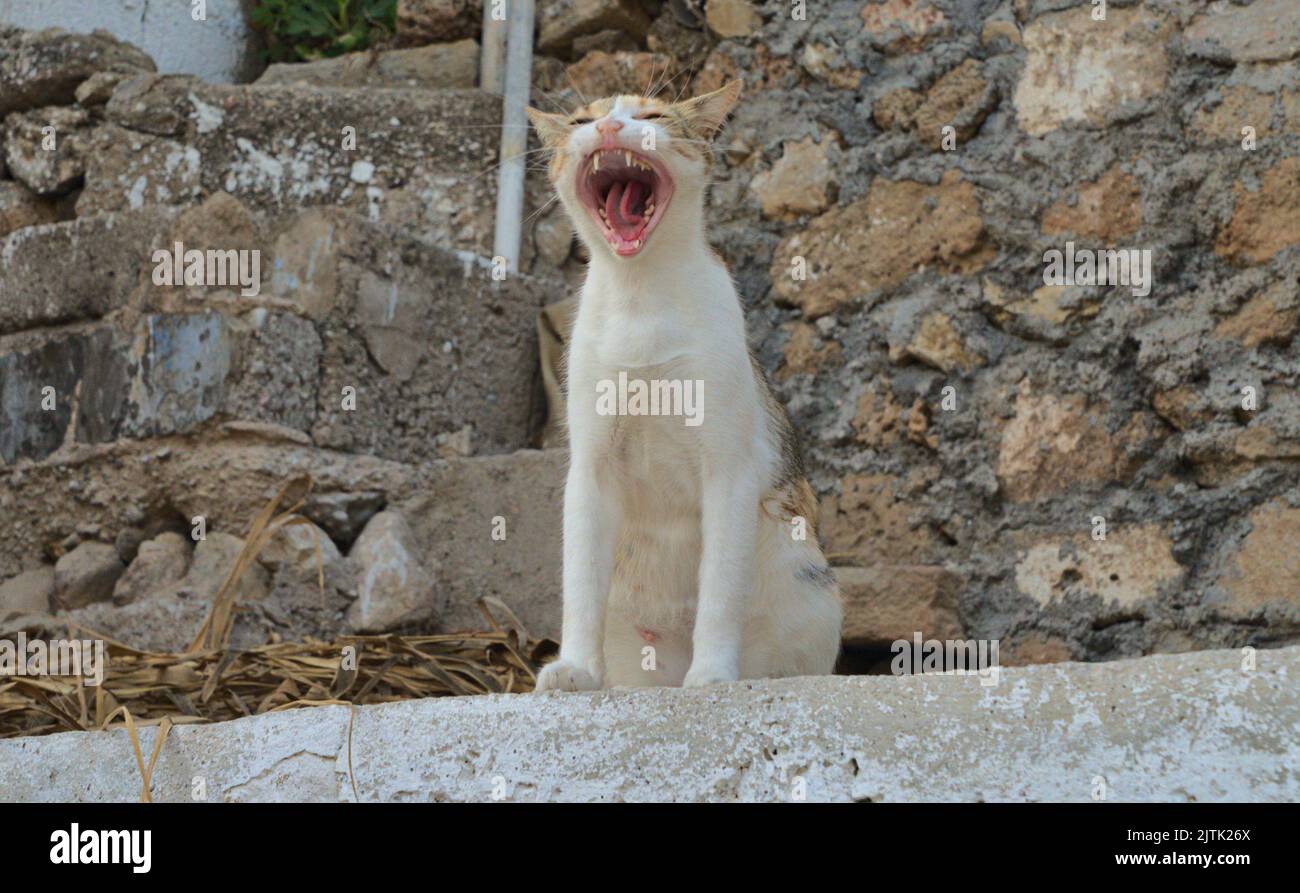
pixel 552 200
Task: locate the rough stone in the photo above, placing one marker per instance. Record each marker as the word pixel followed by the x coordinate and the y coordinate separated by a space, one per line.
pixel 805 352
pixel 1266 569
pixel 1266 219
pixel 20 207
pixel 27 593
pixel 281 148
pixel 1240 105
pixel 1084 72
pixel 903 26
pixel 434 21
pixel 802 181
pixel 880 240
pixel 1055 443
pixel 938 343
pixel 159 563
pixel 608 74
pixel 888 602
pixel 1042 315
pixel 732 18
pixel 961 99
pixel 1186 727
pixel 437 66
pixel 221 47
pixel 1108 209
pixel 827 63
pixel 870 522
pixel 1130 566
pixel 609 41
pixel 1035 647
pixel 690 46
pixel 455 516
pixel 102 259
pixel 44 170
pixel 560 21
pixel 214 557
pixel 98 88
pixel 393 587
pixel 294 548
pixel 1269 318
pixel 1264 31
pixel 553 237
pixel 41 68
pixel 85 575
pixel 228 476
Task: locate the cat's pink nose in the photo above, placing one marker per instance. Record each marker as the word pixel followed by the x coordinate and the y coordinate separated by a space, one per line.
pixel 607 127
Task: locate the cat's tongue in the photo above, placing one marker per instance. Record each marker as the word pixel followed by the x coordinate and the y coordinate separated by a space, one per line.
pixel 619 202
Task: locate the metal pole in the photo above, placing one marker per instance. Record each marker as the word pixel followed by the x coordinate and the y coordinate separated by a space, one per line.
pixel 514 133
pixel 492 54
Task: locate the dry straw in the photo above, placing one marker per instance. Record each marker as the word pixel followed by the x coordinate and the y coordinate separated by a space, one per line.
pixel 210 682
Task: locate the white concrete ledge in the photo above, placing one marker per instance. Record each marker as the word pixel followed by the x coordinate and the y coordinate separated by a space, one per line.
pixel 1175 727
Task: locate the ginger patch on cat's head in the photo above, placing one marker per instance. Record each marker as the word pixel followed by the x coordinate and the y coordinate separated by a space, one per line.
pixel 620 160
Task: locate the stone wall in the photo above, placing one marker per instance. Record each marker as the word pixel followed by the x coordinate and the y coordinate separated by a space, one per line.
pixel 970 427
pixel 220 47
pixel 145 419
pixel 1080 472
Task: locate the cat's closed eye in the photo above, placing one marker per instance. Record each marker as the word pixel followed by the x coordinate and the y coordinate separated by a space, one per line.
pixel 578 122
pixel 649 116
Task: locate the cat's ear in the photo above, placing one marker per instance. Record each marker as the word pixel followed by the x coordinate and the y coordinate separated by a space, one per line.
pixel 709 112
pixel 551 128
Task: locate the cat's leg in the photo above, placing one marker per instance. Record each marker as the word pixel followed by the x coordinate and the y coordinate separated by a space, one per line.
pixel 591 523
pixel 729 524
pixel 794 627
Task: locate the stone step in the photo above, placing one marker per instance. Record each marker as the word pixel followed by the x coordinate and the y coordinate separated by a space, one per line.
pixel 1188 727
pixel 417 157
pixel 488 526
pixel 77 270
pixel 431 345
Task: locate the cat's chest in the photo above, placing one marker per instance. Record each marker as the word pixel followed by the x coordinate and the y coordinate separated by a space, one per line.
pixel 629 342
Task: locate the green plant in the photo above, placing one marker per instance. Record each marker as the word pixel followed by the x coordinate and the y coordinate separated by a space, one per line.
pixel 303 30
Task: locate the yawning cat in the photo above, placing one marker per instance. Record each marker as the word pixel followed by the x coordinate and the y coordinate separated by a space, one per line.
pixel 690 550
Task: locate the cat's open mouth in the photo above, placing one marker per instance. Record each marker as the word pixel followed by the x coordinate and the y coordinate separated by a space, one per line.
pixel 626 194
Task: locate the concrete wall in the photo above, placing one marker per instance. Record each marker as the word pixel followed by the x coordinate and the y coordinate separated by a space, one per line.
pixel 222 48
pixel 1189 727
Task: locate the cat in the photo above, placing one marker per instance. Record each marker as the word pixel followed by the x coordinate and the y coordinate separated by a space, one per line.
pixel 690 546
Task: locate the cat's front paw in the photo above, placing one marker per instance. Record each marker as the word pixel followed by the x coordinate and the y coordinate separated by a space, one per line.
pixel 707 674
pixel 563 676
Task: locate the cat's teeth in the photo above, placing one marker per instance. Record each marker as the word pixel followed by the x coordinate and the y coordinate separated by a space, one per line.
pixel 637 246
pixel 627 158
pixel 595 162
pixel 649 210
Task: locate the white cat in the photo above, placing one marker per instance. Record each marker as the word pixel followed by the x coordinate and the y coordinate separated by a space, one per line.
pixel 690 550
